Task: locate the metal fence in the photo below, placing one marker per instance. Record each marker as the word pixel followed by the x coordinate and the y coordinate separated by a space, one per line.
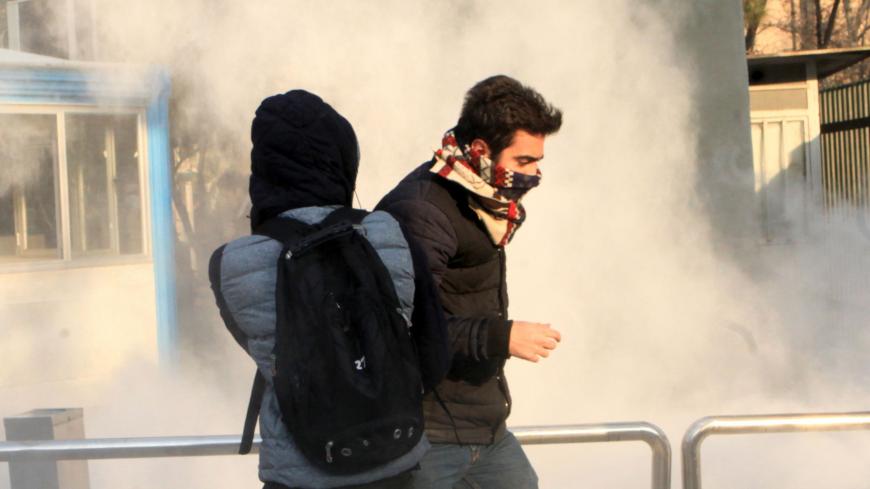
pixel 190 446
pixel 648 433
pixel 655 438
pixel 845 119
pixel 774 423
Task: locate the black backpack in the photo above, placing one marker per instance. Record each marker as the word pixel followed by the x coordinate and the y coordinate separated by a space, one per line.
pixel 344 367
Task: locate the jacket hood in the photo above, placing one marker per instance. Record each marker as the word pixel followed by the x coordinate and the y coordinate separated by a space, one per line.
pixel 304 154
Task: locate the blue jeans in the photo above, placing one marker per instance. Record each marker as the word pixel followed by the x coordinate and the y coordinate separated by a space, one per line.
pixel 396 482
pixel 502 465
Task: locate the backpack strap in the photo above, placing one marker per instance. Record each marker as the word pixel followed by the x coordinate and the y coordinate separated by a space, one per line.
pixel 339 222
pixel 288 232
pixel 345 214
pixel 253 412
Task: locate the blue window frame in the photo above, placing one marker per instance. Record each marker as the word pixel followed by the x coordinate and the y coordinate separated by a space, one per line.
pixel 90 213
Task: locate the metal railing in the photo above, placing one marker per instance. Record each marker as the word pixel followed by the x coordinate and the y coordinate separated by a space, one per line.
pixel 648 433
pixel 105 448
pixel 774 423
pixel 191 446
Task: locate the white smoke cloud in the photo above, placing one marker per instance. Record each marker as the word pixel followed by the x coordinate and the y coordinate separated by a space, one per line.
pixel 26 150
pixel 619 251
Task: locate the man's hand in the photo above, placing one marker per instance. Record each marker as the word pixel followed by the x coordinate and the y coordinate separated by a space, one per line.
pixel 531 341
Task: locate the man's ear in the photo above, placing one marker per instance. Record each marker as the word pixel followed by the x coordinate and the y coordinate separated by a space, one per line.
pixel 480 146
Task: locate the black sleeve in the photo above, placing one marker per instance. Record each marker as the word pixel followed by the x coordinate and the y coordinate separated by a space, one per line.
pixel 473 337
pixel 429 327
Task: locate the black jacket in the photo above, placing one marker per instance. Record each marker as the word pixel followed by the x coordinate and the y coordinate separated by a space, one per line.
pixel 470 273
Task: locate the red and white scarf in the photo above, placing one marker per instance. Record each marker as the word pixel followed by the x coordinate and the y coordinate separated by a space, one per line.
pixel 475 172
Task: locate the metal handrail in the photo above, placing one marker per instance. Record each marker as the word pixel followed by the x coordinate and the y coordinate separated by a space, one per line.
pixel 106 448
pixel 190 446
pixel 773 423
pixel 648 433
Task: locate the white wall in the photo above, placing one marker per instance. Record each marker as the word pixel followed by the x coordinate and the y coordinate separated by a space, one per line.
pixel 66 329
pixel 648 181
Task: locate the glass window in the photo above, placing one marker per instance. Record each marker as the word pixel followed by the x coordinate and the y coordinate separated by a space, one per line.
pixel 43 28
pixel 104 186
pixel 127 185
pixel 104 189
pixel 28 204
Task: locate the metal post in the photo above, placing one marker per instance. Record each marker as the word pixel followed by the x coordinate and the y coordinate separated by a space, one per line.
pixel 773 423
pixel 47 424
pixel 648 433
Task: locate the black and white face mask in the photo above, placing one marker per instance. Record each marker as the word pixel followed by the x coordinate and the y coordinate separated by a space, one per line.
pixel 513 185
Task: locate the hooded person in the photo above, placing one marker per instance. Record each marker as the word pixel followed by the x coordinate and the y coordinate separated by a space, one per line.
pixel 304 154
pixel 304 164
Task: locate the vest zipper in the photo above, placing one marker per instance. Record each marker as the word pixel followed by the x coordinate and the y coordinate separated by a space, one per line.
pixel 502 313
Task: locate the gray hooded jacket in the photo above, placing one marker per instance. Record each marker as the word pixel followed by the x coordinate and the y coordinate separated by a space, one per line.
pixel 246 282
pixel 304 164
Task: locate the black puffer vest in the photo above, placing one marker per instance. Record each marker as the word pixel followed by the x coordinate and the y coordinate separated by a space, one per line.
pixel 475 392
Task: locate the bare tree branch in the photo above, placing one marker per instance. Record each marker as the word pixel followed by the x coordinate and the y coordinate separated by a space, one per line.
pixel 863 17
pixel 857 21
pixel 850 24
pixel 831 19
pixel 817 24
pixel 862 10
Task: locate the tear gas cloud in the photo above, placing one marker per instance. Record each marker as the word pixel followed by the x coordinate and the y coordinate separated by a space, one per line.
pixel 663 318
pixel 21 144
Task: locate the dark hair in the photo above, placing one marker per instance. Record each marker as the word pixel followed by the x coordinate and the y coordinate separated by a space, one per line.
pixel 496 108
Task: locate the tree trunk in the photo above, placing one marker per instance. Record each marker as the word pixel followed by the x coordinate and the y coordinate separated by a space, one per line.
pixel 832 18
pixel 818 5
pixel 794 26
pixel 804 27
pixel 750 38
pixel 754 13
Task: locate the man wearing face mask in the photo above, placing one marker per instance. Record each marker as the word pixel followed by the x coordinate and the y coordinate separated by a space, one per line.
pixel 464 206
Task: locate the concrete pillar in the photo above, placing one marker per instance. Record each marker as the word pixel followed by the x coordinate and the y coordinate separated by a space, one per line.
pixel 47 424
